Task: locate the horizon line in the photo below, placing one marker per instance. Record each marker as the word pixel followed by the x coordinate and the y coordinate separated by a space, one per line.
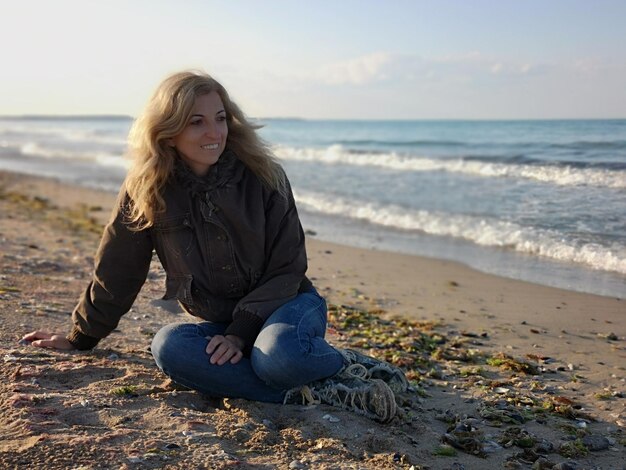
pixel 296 118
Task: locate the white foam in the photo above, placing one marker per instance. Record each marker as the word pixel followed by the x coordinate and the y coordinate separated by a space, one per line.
pixel 482 231
pixel 47 131
pixel 36 150
pixel 101 158
pixel 113 161
pixel 559 175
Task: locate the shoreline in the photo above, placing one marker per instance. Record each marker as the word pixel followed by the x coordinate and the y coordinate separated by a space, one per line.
pixel 487 260
pixel 573 344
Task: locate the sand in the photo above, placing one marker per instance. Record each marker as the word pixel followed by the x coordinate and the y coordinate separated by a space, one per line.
pixel 506 374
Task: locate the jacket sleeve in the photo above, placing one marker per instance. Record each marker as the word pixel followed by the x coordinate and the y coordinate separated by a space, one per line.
pixel 121 267
pixel 286 265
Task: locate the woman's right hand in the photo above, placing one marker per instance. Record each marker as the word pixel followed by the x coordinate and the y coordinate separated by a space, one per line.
pixel 223 349
pixel 45 339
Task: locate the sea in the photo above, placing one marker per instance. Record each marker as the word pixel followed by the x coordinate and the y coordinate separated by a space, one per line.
pixel 537 200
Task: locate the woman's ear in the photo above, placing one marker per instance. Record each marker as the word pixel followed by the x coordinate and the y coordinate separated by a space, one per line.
pixel 170 142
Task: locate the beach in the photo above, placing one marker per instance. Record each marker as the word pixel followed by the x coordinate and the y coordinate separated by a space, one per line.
pixel 506 373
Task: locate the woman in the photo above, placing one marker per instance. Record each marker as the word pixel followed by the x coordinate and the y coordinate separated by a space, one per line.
pixel 207 195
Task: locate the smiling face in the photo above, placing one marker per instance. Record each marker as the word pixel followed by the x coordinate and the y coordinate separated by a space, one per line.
pixel 203 140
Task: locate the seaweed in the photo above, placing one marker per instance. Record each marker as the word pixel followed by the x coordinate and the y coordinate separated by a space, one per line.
pixel 445 451
pixel 127 391
pixel 573 449
pixel 506 362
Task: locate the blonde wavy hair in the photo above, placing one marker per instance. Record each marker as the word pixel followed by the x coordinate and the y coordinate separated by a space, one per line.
pixel 165 116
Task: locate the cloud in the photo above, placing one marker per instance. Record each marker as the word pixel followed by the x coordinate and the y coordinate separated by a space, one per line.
pixel 595 66
pixel 496 68
pixel 477 64
pixel 357 71
pixel 383 67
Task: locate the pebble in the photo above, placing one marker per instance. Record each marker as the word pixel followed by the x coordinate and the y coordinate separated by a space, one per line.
pixel 542 463
pixel 268 424
pixel 23 342
pixel 545 447
pixel 491 447
pixel 596 443
pixel 331 418
pixel 565 466
pixel 570 366
pixel 112 357
pixel 296 464
pixel 171 446
pixel 512 464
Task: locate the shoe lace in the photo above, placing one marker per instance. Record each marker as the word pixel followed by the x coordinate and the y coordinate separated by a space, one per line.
pixel 358 371
pixel 342 396
pixel 381 370
pixel 304 395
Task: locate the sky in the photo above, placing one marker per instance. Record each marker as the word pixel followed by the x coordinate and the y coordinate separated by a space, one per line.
pixel 322 59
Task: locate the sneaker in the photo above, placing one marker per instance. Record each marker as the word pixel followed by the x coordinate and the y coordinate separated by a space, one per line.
pixel 372 397
pixel 368 367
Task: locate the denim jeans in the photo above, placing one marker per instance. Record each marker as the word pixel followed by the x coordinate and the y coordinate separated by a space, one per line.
pixel 289 351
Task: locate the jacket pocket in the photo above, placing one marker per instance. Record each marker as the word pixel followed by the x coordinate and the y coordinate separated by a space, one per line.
pixel 178 286
pixel 175 235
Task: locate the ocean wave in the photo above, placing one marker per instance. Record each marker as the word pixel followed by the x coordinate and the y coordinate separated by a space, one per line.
pixel 113 161
pixel 584 145
pixel 562 175
pixel 479 230
pixel 61 135
pixel 100 157
pixel 591 145
pixel 401 143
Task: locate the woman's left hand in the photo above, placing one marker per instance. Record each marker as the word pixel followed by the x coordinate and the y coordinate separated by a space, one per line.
pixel 225 348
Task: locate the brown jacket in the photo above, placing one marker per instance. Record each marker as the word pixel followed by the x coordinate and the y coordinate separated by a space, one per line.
pixel 233 251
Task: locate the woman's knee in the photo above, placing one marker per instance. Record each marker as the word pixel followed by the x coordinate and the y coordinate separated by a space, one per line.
pixel 168 343
pixel 272 358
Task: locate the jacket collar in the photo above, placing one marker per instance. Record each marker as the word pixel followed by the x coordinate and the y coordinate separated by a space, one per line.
pixel 227 171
